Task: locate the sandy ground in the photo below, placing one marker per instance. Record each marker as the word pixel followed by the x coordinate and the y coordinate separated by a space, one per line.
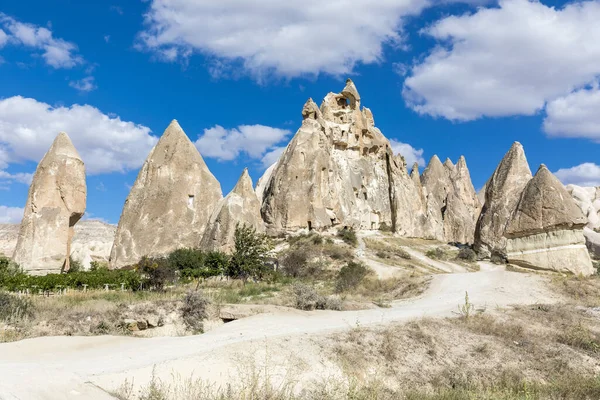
pixel 89 367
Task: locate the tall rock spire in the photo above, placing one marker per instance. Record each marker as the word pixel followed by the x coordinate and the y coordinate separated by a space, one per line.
pixel 502 194
pixel 170 202
pixel 240 206
pixel 56 202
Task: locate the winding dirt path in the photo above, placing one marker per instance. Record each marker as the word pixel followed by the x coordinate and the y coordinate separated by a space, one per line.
pixel 78 367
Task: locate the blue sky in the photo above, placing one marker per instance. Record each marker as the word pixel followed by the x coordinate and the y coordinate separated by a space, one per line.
pixel 441 77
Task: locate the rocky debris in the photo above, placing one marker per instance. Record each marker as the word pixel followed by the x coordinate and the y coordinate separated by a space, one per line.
pixel 502 194
pixel 333 172
pixel 93 241
pixel 56 202
pixel 452 205
pixel 546 229
pixel 241 206
pixel 170 203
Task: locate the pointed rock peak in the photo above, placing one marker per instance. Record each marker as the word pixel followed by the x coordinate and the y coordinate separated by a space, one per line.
pixel 310 110
pixel 415 169
pixel 434 164
pixel 542 169
pixel 63 146
pixel 173 128
pixel 462 162
pixel 351 93
pixel 448 164
pixel 244 186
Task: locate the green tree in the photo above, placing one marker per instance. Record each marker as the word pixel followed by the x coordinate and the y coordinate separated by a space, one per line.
pixel 250 255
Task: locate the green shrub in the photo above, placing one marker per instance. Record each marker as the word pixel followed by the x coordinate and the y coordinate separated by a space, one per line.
pixel 98 265
pixel 14 308
pixel 215 263
pixel 350 276
pixel 250 255
pixel 74 265
pixel 194 311
pixel 294 262
pixel 187 259
pixel 467 254
pixel 437 254
pixel 158 271
pixel 348 236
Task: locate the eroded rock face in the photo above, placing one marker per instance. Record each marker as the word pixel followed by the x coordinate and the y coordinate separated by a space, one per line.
pixel 333 172
pixel 169 204
pixel 93 241
pixel 56 202
pixel 9 234
pixel 502 193
pixel 546 229
pixel 261 185
pixel 451 202
pixel 588 200
pixel 240 206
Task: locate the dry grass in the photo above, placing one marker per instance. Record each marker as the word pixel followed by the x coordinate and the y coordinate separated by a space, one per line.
pixel 582 290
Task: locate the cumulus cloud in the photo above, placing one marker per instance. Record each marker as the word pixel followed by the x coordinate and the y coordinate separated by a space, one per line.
pixel 56 52
pixel 10 215
pixel 105 142
pixel 575 115
pixel 586 174
pixel 256 141
pixel 506 60
pixel 289 38
pixel 84 85
pixel 410 154
pixel 271 157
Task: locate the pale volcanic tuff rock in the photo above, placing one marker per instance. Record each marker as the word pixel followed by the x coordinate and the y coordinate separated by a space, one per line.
pixel 502 192
pixel 56 202
pixel 169 204
pixel 240 206
pixel 588 200
pixel 546 229
pixel 452 205
pixel 333 172
pixel 261 185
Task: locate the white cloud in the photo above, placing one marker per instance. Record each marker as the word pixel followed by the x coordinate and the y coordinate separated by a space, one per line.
pixel 3 38
pixel 105 142
pixel 587 174
pixel 288 38
pixel 21 177
pixel 575 115
pixel 227 144
pixel 84 85
pixel 56 52
pixel 10 215
pixel 506 60
pixel 410 154
pixel 272 156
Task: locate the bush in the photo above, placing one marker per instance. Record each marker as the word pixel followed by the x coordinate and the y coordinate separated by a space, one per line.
pixel 383 227
pixel 250 255
pixel 194 311
pixel 14 308
pixel 215 263
pixel 294 262
pixel 437 254
pixel 8 269
pixel 348 236
pixel 74 265
pixel 187 259
pixel 308 299
pixel 157 271
pixel 350 276
pixel 467 254
pixel 98 265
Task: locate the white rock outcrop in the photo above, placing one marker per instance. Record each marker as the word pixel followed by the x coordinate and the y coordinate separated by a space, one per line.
pixel 588 200
pixel 56 202
pixel 169 204
pixel 546 229
pixel 93 241
pixel 240 206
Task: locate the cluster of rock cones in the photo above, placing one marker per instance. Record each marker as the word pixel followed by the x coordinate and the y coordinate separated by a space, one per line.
pixel 338 171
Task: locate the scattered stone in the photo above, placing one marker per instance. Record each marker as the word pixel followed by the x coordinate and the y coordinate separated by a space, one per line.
pixel 56 202
pixel 170 202
pixel 546 230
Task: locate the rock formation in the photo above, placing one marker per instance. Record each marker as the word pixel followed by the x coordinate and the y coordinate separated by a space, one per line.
pixel 169 204
pixel 502 194
pixel 93 241
pixel 451 202
pixel 588 200
pixel 55 203
pixel 546 229
pixel 240 206
pixel 9 234
pixel 333 172
pixel 261 185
